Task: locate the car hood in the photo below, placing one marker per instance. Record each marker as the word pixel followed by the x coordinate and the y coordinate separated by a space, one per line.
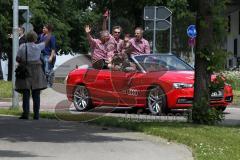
pixel 178 76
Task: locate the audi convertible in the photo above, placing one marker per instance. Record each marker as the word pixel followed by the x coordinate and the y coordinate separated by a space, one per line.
pixel 156 82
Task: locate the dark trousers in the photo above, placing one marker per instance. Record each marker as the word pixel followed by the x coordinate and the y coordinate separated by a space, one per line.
pixel 26 102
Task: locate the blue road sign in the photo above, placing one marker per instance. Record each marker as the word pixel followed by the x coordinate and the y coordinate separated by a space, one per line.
pixel 191 31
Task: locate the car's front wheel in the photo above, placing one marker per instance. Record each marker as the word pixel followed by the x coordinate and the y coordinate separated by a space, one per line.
pixel 156 101
pixel 81 98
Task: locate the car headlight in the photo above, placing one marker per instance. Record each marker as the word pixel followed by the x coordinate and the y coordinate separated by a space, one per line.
pixel 182 85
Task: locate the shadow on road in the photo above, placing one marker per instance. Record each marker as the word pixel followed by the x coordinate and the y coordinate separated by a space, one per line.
pixel 15 130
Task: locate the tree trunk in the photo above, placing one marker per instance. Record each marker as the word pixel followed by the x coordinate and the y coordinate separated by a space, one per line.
pixel 203 46
pixel 1 73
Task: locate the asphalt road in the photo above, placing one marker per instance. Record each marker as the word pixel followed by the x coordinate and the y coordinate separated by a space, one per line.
pixel 61 140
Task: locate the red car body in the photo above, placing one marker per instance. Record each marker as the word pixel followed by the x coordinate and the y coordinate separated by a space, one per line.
pixel 118 88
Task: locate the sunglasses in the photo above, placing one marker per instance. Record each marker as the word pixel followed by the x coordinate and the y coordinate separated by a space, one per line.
pixel 117 32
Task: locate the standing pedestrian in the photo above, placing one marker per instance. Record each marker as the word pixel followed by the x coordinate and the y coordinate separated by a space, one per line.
pixel 29 55
pixel 22 38
pixel 48 55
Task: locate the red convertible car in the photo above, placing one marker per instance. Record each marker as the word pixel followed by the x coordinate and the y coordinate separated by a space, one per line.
pixel 158 82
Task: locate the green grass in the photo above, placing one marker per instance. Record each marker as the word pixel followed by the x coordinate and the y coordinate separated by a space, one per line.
pixel 207 142
pixel 5 89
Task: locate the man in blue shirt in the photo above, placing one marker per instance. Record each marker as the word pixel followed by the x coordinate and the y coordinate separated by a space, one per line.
pixel 48 54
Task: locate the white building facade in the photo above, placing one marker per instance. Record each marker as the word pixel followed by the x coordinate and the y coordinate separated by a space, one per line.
pixel 233 38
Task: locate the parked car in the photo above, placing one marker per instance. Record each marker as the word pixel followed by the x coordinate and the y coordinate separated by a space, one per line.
pixel 158 82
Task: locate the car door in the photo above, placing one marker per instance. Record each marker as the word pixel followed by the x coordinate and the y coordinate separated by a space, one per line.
pixel 97 82
pixel 125 86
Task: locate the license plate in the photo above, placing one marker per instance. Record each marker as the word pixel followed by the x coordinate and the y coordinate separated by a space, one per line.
pixel 217 94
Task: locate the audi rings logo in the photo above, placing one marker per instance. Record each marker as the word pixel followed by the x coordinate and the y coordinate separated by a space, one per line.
pixel 131 92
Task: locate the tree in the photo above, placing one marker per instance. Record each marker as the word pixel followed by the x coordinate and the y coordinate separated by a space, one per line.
pixel 68 18
pixel 210 29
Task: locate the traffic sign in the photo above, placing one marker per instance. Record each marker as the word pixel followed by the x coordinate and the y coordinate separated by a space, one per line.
pixel 163 12
pixel 191 31
pixel 161 25
pixel 149 12
pixel 28 27
pixel 27 15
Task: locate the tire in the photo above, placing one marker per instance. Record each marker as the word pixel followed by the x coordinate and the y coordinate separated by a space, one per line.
pixel 156 101
pixel 81 98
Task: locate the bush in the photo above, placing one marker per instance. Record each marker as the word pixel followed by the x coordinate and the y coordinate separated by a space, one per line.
pixel 202 113
pixel 233 78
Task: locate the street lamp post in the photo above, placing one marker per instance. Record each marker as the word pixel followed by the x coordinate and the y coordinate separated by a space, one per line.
pixel 15 42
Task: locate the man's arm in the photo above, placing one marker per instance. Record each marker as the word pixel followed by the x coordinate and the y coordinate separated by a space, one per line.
pixel 89 37
pixel 104 25
pixel 105 17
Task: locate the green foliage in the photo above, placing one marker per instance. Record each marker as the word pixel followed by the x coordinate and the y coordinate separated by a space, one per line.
pixel 232 78
pixel 68 18
pixel 214 52
pixel 217 84
pixel 182 18
pixel 202 113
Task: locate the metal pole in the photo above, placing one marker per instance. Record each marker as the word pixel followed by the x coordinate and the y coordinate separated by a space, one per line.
pixel 27 28
pixel 170 36
pixel 154 30
pixel 109 22
pixel 193 57
pixel 15 42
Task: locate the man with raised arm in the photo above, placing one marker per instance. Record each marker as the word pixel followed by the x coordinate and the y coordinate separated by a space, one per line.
pixel 102 49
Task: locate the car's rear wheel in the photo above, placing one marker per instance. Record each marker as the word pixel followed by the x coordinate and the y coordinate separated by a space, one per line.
pixel 156 101
pixel 81 98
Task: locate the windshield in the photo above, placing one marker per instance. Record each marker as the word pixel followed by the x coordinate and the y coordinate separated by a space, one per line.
pixel 161 62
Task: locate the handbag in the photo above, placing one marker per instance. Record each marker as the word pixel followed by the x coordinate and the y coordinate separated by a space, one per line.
pixel 22 71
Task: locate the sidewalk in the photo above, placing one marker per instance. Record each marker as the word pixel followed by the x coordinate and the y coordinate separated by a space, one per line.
pixel 52 139
pixel 50 98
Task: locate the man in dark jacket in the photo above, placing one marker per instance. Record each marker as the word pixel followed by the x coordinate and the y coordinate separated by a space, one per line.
pixel 22 38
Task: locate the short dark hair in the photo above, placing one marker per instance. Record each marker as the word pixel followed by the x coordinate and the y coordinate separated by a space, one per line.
pixel 139 28
pixel 31 36
pixel 49 27
pixel 127 35
pixel 117 27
